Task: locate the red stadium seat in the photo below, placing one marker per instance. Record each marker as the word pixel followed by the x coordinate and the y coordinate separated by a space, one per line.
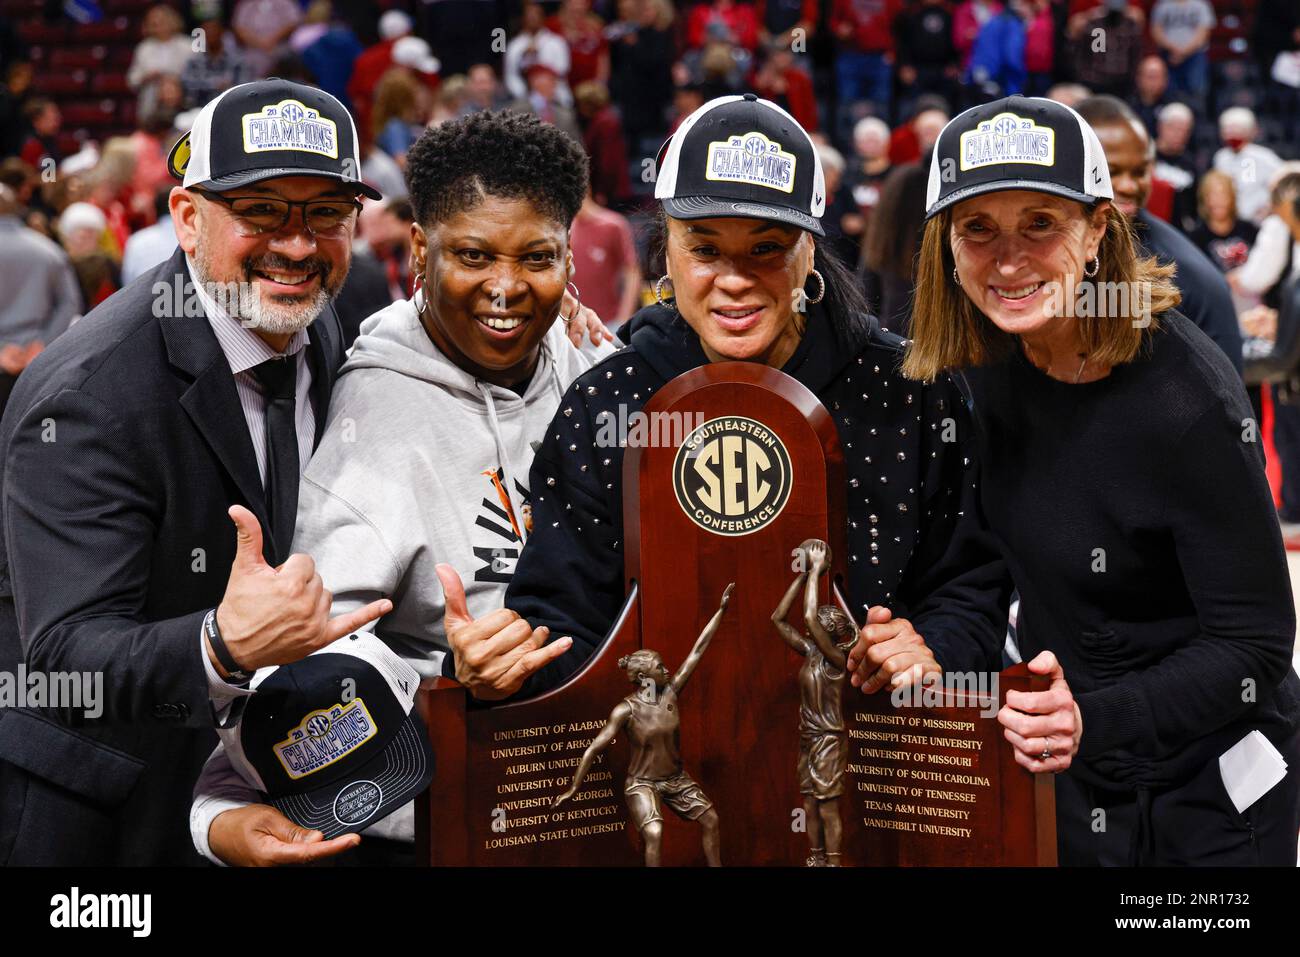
pixel 117 30
pixel 93 114
pixel 20 9
pixel 69 143
pixel 37 33
pixel 83 59
pixel 119 57
pixel 112 84
pixel 131 7
pixel 60 84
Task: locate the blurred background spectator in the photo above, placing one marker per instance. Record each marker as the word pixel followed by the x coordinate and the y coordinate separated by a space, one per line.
pixel 1181 31
pixel 722 20
pixel 163 52
pixel 641 82
pixel 482 90
pixel 217 67
pixel 263 28
pixel 401 108
pixel 41 294
pixel 83 232
pixel 1117 28
pixel 542 97
pixel 967 21
pixel 153 244
pixel 536 45
pixel 893 238
pixel 602 136
pixel 607 270
pixel 1250 164
pixel 1150 90
pixel 868 166
pixel 1220 233
pixel 584 32
pixel 373 62
pixel 1175 164
pixel 781 80
pixel 926 51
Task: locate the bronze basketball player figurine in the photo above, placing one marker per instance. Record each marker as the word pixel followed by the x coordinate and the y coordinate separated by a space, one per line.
pixel 655 772
pixel 823 743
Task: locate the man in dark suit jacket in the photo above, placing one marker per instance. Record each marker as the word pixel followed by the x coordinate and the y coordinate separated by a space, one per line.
pixel 188 400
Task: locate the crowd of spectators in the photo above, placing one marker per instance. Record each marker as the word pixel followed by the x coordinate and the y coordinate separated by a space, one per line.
pixel 874 80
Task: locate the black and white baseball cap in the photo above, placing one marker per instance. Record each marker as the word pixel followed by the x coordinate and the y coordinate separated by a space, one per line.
pixel 1019 142
pixel 742 156
pixel 333 740
pixel 265 129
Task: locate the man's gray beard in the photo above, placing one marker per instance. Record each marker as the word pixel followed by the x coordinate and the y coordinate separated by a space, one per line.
pixel 254 310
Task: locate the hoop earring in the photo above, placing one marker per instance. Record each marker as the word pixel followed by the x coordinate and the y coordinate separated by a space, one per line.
pixel 1096 267
pixel 659 292
pixel 821 289
pixel 956 278
pixel 421 302
pixel 577 298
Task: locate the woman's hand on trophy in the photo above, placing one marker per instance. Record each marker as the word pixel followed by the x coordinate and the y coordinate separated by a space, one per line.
pixel 497 653
pixel 1044 727
pixel 889 652
pixel 258 835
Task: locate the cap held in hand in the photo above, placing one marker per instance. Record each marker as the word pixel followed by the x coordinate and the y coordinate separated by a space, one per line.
pixel 333 740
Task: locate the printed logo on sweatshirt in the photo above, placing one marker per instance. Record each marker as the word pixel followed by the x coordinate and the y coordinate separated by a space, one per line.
pixel 508 531
pixel 325 736
pixel 732 475
pixel 1007 138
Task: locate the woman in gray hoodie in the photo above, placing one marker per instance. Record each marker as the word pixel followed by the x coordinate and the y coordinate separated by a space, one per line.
pixel 431 431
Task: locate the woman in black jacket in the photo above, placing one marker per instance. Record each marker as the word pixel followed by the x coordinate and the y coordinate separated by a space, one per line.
pixel 1122 475
pixel 919 558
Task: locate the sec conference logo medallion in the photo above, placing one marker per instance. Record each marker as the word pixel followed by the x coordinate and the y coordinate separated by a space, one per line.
pixel 732 475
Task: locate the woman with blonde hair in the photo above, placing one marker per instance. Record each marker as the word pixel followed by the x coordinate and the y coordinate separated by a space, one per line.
pixel 164 51
pixel 1122 475
pixel 1220 233
pixel 397 117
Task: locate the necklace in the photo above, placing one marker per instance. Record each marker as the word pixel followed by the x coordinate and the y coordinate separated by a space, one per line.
pixel 1083 362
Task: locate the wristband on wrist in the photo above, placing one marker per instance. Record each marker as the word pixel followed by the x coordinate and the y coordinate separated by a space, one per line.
pixel 236 674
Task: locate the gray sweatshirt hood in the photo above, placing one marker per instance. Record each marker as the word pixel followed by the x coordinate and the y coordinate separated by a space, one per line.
pixel 422 463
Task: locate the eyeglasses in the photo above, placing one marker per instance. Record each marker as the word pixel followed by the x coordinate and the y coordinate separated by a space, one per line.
pixel 256 215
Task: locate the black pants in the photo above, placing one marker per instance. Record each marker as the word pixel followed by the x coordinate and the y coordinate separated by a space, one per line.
pixel 1286 438
pixel 1193 824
